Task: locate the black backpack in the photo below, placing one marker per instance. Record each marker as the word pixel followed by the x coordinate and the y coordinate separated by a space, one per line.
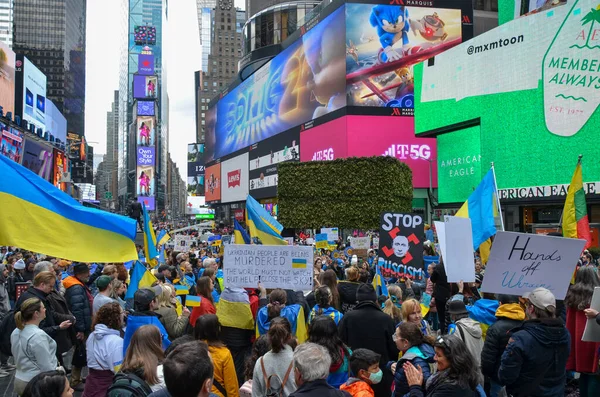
pixel 128 385
pixel 7 326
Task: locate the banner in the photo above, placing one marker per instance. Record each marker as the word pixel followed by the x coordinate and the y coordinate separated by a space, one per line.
pixel 401 239
pixel 520 263
pixel 321 240
pixel 332 233
pixel 360 246
pixel 284 266
pixel 183 243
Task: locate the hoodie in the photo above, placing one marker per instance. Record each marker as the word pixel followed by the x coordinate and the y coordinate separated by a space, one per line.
pixel 534 361
pixel 419 356
pixel 358 388
pixel 329 311
pixel 105 349
pixel 470 332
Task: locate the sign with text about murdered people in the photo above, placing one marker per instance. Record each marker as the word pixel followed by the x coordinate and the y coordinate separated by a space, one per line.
pixel 287 267
pixel 520 263
pixel 401 245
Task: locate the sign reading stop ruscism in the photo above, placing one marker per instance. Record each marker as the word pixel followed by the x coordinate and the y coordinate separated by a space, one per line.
pixel 401 245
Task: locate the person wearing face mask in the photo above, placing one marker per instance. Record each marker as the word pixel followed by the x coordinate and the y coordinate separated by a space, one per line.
pixel 365 372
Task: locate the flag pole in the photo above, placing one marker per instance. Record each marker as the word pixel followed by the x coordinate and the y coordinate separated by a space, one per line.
pixel 497 197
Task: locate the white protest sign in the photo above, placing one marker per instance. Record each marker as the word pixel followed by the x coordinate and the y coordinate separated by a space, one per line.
pixel 183 243
pixel 290 240
pixel 458 261
pixel 281 266
pixel 520 263
pixel 360 245
pixel 440 228
pixel 591 333
pixel 332 233
pixel 376 242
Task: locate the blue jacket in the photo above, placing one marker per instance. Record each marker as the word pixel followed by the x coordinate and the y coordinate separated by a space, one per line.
pixel 420 356
pixel 534 361
pixel 330 311
pixel 138 319
pixel 290 312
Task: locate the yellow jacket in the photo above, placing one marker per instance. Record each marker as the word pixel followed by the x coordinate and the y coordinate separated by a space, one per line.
pixel 224 371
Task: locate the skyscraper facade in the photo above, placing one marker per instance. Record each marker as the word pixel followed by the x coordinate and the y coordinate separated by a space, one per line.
pixel 6 21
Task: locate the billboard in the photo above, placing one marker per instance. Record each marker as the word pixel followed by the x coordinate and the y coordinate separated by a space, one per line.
pixel 196 169
pixel 37 157
pixel 7 78
pixel 264 157
pixel 146 130
pixel 34 95
pixel 212 189
pixel 144 35
pixel 150 202
pixel 196 205
pixel 145 87
pixel 324 142
pixel 146 64
pixel 234 179
pixel 76 144
pixel 11 143
pixel 549 70
pixel 146 155
pixel 303 82
pixel 146 108
pixel 60 170
pixel 145 178
pixel 196 185
pixel 56 123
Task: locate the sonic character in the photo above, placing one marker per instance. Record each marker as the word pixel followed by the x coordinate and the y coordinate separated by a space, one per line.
pixel 392 26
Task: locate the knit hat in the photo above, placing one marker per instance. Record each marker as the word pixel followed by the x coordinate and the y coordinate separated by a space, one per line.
pixel 80 268
pixel 366 292
pixel 19 265
pixel 102 282
pixel 457 307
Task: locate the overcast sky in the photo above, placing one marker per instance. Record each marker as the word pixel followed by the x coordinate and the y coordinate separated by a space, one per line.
pixel 182 50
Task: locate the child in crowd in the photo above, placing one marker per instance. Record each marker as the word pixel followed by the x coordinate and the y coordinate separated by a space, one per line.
pixel 365 371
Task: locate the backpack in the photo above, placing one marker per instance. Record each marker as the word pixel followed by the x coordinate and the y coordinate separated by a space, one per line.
pixel 128 385
pixel 270 391
pixel 7 326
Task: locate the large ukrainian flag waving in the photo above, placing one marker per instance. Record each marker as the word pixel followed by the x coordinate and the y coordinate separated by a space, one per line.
pixel 37 216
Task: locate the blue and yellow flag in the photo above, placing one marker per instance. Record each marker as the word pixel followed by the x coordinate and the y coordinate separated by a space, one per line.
pixel 162 237
pixel 379 282
pixel 240 234
pixel 262 224
pixel 149 238
pixel 192 301
pixel 140 278
pixel 39 217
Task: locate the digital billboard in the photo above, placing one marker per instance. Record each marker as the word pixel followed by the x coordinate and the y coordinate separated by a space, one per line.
pixel 56 123
pixel 148 201
pixel 196 205
pixel 146 156
pixel 146 64
pixel 264 157
pixel 538 112
pixel 212 185
pixel 11 143
pixel 144 35
pixel 195 171
pixel 303 82
pixel 76 145
pixel 146 130
pixel 145 87
pixel 37 157
pixel 146 108
pixel 196 185
pixel 34 94
pixel 60 170
pixel 7 78
pixel 324 142
pixel 145 180
pixel 234 179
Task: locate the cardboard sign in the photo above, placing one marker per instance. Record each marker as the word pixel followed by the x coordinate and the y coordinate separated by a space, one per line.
pixel 458 261
pixel 376 242
pixel 332 233
pixel 520 263
pixel 360 246
pixel 183 243
pixel 285 266
pixel 321 240
pixel 401 239
pixel 592 328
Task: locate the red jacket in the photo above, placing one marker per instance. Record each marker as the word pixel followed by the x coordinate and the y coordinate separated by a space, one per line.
pixel 584 355
pixel 206 307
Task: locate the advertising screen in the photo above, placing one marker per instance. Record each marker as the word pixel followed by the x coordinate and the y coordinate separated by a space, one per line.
pixel 34 95
pixel 144 35
pixel 212 185
pixel 76 144
pixel 146 155
pixel 146 64
pixel 145 87
pixel 145 180
pixel 303 82
pixel 195 169
pixel 148 201
pixel 146 108
pixel 324 142
pixel 385 41
pixel 196 205
pixel 146 130
pixel 196 185
pixel 264 157
pixel 234 179
pixel 56 123
pixel 37 157
pixel 11 143
pixel 7 78
pixel 542 61
pixel 60 169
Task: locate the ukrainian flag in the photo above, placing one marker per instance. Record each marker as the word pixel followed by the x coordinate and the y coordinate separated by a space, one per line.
pixel 39 217
pixel 140 278
pixel 149 237
pixel 162 237
pixel 379 282
pixel 192 301
pixel 240 234
pixel 181 290
pixel 233 310
pixel 262 224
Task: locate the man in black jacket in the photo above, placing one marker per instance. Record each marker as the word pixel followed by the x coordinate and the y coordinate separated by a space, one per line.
pixel 368 327
pixel 311 369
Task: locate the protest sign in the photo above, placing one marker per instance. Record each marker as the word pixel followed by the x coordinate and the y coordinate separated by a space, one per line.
pixel 332 233
pixel 520 263
pixel 282 266
pixel 183 243
pixel 591 333
pixel 440 228
pixel 458 261
pixel 321 240
pixel 360 246
pixel 401 245
pixel 290 240
pixel 376 242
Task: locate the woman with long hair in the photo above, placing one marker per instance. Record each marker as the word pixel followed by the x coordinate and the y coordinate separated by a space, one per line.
pixel 279 361
pixel 584 355
pixel 104 349
pixel 225 382
pixel 411 312
pixel 458 374
pixel 393 304
pixel 323 331
pixel 144 357
pixel 329 279
pixel 260 348
pixel 324 299
pixel 117 292
pixel 207 306
pixel 34 350
pixel 167 303
pixel 49 384
pixel 347 289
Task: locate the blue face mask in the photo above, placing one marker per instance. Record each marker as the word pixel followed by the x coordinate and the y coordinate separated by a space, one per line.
pixel 375 378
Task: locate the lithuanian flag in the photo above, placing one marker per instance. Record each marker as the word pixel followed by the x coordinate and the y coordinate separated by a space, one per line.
pixel 575 222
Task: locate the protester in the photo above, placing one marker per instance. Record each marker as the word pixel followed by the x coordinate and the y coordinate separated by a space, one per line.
pixel 324 300
pixel 14 278
pixel 393 304
pixel 323 331
pixel 365 373
pixel 347 289
pixel 34 350
pixel 208 330
pixel 273 371
pixel 412 312
pixel 104 292
pixel 467 329
pixel 277 307
pixel 535 358
pixel 117 292
pixel 417 349
pixel 457 374
pixel 311 368
pixel 189 278
pixel 260 348
pixel 49 384
pixel 441 293
pixel 110 271
pixel 104 349
pixel 144 304
pixel 584 355
pixel 175 324
pixel 366 326
pixel 205 287
pixel 4 309
pixel 28 271
pixel 212 274
pixel 509 315
pixel 432 316
pixel 144 356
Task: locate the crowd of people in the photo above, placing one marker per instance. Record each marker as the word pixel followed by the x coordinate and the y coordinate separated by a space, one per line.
pixel 343 338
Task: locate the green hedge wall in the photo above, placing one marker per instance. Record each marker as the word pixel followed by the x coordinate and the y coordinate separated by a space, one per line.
pixel 346 193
